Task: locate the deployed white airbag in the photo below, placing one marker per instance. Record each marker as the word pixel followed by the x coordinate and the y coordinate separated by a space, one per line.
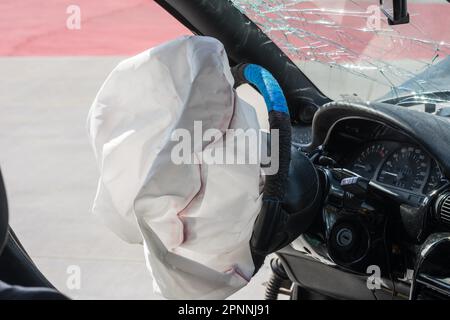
pixel 194 219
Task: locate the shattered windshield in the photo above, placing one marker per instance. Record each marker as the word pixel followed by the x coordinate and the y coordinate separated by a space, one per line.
pixel 350 52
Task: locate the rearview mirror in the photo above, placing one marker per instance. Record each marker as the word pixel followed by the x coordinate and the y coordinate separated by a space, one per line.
pixel 395 10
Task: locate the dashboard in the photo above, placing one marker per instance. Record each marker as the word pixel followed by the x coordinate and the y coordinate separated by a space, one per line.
pixel 382 154
pixel 400 165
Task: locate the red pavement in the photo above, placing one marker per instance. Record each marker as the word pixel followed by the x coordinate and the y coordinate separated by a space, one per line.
pixel 108 27
pixel 125 27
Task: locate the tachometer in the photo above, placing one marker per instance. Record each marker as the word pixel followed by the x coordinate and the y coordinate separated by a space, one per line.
pixel 369 159
pixel 406 168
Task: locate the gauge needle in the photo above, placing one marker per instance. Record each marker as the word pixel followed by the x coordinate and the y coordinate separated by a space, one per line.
pixel 390 174
pixel 365 167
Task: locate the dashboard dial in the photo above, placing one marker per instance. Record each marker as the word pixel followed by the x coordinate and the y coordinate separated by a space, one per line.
pixel 406 168
pixel 434 180
pixel 368 160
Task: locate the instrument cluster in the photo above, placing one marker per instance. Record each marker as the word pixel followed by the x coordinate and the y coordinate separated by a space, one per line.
pixel 395 164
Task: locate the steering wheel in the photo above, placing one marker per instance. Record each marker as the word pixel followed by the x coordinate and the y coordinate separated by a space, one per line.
pixel 3 215
pixel 291 196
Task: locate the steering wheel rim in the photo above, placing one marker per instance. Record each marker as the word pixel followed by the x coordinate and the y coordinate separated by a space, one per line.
pixel 265 236
pixel 4 217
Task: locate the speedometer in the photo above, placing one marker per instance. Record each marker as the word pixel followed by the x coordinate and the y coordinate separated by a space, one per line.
pixel 406 168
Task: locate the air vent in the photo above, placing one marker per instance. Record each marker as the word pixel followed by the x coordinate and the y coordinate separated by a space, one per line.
pixel 443 208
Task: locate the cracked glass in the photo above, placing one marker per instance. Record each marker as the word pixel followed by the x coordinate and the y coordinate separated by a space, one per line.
pixel 348 49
